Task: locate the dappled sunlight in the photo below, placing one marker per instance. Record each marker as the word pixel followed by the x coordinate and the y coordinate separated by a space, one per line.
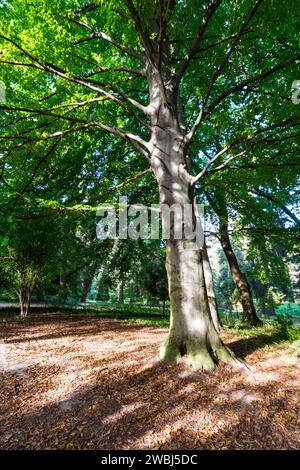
pixel 96 383
pixel 278 367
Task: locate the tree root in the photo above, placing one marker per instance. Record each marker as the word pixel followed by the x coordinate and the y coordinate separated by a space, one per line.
pixel 198 355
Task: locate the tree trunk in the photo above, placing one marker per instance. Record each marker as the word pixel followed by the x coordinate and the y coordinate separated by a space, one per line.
pixel 103 292
pixel 87 282
pixel 262 304
pixel 192 337
pixel 22 304
pixel 24 301
pixel 239 278
pixel 259 291
pixel 209 283
pixel 121 292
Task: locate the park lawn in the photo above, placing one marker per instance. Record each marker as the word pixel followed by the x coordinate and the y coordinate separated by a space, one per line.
pixel 74 381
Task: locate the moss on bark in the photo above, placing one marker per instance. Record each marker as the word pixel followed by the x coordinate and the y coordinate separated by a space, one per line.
pixel 198 353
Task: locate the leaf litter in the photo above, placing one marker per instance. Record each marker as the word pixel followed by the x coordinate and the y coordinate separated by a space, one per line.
pixel 72 382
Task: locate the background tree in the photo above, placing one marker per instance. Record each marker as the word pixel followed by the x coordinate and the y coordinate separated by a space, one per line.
pixel 218 203
pixel 25 259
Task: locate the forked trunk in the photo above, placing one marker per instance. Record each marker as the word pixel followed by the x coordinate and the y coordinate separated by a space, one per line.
pixel 24 301
pixel 193 337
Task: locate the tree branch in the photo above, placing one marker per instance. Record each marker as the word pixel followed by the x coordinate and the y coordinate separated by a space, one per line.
pixel 62 73
pixel 218 155
pixel 221 41
pixel 137 142
pixel 138 25
pixel 210 11
pixel 139 72
pixel 254 166
pixel 283 124
pixel 114 42
pixel 203 113
pixel 271 198
pixel 246 82
pixel 119 186
pixel 222 66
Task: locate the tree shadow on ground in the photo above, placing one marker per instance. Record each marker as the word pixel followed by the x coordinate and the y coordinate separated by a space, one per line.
pixel 128 400
pixel 79 326
pixel 252 429
pixel 246 346
pixel 154 408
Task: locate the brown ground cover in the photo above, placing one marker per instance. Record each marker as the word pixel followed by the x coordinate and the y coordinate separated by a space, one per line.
pixel 72 382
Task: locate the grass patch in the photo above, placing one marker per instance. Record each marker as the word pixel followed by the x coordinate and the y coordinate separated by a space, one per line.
pixel 280 329
pixel 161 322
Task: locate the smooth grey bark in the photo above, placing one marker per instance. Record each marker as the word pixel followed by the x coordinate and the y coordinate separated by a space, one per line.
pixel 121 292
pixel 209 283
pixel 192 337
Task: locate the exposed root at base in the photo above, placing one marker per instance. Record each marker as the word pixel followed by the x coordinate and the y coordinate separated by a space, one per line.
pixel 197 355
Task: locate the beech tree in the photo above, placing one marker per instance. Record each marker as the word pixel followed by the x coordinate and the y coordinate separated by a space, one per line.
pixel 168 78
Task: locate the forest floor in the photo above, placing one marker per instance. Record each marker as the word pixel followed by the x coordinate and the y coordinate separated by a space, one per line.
pixel 76 382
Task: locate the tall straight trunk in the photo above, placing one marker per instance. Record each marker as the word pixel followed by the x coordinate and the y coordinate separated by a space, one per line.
pixel 209 283
pixel 238 277
pixel 192 337
pixel 121 292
